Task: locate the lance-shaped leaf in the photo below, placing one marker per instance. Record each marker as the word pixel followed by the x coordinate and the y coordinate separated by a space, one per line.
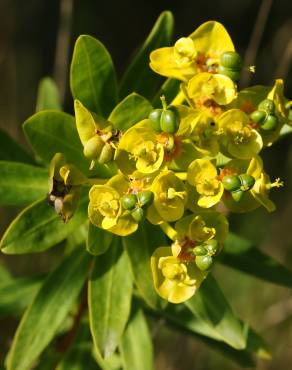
pixel 21 183
pixel 240 254
pixel 211 307
pixel 48 310
pixel 98 240
pixel 132 109
pixel 50 132
pixel 17 294
pixel 92 76
pixel 139 77
pixel 10 150
pixel 139 247
pixel 136 344
pixel 109 298
pixel 38 228
pixel 48 95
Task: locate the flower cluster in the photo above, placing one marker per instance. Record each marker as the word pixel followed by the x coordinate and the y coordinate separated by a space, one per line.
pixel 183 166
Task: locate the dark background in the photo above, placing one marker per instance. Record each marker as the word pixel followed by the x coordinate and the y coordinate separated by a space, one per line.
pixel 37 39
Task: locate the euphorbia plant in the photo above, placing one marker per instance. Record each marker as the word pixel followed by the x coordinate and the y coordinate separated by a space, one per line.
pixel 141 182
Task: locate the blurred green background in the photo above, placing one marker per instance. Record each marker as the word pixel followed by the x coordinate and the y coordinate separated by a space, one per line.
pixel 36 40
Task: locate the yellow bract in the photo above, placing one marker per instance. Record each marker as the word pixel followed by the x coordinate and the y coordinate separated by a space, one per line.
pixel 202 174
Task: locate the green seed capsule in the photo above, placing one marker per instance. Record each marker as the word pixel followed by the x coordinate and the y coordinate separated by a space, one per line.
pixel 237 195
pixel 204 263
pixel 138 214
pixel 268 106
pixel 258 116
pixel 145 198
pixel 129 201
pixel 154 117
pixel 211 246
pixel 232 60
pixel 247 182
pixel 200 251
pixel 169 121
pixel 270 123
pixel 231 183
pixel 106 154
pixel 93 147
pixel 233 74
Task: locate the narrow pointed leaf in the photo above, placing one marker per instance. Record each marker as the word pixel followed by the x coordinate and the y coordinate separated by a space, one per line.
pixel 139 247
pixel 109 298
pixel 17 294
pixel 98 240
pixel 139 77
pixel 10 150
pixel 92 76
pixel 210 305
pixel 132 109
pixel 136 344
pixel 50 132
pixel 48 95
pixel 38 228
pixel 21 183
pixel 48 310
pixel 240 254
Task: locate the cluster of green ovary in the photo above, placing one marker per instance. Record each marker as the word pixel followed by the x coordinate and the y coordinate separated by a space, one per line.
pixel 174 280
pixel 202 174
pixel 170 197
pixel 237 138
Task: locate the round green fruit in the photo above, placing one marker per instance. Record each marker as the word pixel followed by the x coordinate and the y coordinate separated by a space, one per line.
pixel 204 263
pixel 233 74
pixel 247 181
pixel 270 123
pixel 211 246
pixel 231 183
pixel 154 117
pixel 232 60
pixel 93 147
pixel 106 154
pixel 169 121
pixel 258 116
pixel 145 198
pixel 129 201
pixel 200 250
pixel 237 195
pixel 138 214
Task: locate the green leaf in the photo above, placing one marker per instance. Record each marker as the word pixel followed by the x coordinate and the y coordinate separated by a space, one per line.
pixel 241 255
pixel 109 298
pixel 139 77
pixel 10 150
pixel 92 76
pixel 17 294
pixel 98 240
pixel 129 111
pixel 136 344
pixel 38 228
pixel 48 95
pixel 50 132
pixel 5 276
pixel 210 305
pixel 139 247
pixel 47 311
pixel 169 89
pixel 21 183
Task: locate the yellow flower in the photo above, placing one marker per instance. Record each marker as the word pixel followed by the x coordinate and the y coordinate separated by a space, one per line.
pixel 202 174
pixel 200 52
